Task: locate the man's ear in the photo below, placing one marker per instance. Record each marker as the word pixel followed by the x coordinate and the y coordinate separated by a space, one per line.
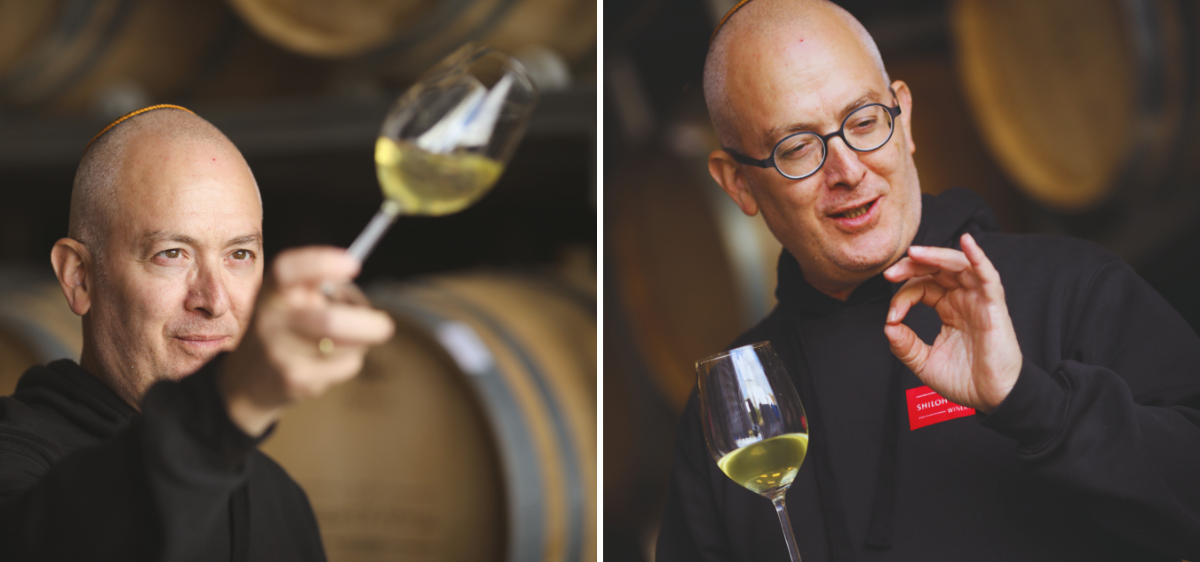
pixel 72 263
pixel 904 96
pixel 726 173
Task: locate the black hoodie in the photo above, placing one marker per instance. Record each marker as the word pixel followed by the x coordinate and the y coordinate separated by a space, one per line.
pixel 84 476
pixel 1095 454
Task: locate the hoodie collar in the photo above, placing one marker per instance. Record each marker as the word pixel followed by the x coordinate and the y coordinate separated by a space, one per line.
pixel 943 219
pixel 77 395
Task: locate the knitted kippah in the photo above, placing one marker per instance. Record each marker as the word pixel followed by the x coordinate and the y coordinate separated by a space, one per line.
pixel 726 18
pixel 134 114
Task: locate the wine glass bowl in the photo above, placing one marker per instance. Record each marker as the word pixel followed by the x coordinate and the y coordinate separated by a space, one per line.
pixel 754 423
pixel 447 139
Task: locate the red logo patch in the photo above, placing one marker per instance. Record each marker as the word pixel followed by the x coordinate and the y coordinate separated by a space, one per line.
pixel 926 407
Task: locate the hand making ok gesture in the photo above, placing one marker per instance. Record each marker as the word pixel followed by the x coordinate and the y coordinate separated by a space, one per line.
pixel 975 360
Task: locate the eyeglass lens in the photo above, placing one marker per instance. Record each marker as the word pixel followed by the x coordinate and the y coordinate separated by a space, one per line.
pixel 866 129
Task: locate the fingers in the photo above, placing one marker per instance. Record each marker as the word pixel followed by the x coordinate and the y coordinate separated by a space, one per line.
pixel 298 303
pixel 346 293
pixel 907 268
pixel 947 259
pixel 345 325
pixel 927 260
pixel 950 268
pixel 313 265
pixel 919 290
pixel 314 378
pixel 981 264
pixel 907 347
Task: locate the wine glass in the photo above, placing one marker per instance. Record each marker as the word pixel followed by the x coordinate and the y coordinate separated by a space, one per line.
pixel 446 140
pixel 754 423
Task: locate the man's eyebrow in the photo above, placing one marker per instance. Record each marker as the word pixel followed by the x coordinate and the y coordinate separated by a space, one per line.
pixel 772 136
pixel 152 238
pixel 255 239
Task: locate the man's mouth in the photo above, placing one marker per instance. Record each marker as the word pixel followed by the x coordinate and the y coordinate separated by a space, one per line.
pixel 856 211
pixel 204 341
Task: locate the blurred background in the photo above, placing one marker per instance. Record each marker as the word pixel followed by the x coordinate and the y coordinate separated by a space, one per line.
pixel 471 436
pixel 1074 117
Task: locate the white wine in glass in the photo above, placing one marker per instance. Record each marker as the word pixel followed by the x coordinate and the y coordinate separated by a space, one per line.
pixel 754 424
pixel 446 141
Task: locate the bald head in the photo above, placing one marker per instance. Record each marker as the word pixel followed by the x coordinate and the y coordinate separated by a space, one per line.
pixel 164 258
pixel 773 22
pixel 109 162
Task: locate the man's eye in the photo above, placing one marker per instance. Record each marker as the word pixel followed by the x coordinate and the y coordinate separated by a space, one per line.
pixel 865 125
pixel 241 255
pixel 796 152
pixel 171 254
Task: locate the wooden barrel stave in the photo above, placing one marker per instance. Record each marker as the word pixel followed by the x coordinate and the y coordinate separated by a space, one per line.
pixel 71 55
pixel 15 358
pixel 496 344
pixel 691 271
pixel 36 325
pixel 407 35
pixel 376 500
pixel 560 411
pixel 1081 102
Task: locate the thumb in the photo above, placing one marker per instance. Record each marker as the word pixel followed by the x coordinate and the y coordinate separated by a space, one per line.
pixel 906 346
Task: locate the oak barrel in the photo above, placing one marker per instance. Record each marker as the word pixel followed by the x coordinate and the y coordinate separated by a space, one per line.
pixel 422 31
pixel 36 325
pixel 691 272
pixel 1083 100
pixel 470 436
pixel 70 55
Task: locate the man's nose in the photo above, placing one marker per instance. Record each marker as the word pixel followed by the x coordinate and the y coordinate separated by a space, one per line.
pixel 207 292
pixel 842 166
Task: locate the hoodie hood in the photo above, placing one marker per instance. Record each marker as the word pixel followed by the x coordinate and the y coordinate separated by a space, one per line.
pixel 946 217
pixel 64 390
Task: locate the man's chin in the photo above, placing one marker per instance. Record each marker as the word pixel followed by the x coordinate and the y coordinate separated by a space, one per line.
pixel 868 257
pixel 203 349
pixel 185 364
pixel 867 265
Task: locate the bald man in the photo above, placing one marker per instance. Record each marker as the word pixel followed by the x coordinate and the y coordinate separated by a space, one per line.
pixel 972 395
pixel 146 450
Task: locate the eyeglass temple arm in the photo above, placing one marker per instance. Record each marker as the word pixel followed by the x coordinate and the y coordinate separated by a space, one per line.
pixel 743 159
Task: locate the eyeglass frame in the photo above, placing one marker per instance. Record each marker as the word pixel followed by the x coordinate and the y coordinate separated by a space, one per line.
pixel 769 162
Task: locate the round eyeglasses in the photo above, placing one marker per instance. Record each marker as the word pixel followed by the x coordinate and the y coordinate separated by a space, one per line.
pixel 800 155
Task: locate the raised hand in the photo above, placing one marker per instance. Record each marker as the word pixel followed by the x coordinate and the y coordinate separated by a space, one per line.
pixel 975 360
pixel 300 342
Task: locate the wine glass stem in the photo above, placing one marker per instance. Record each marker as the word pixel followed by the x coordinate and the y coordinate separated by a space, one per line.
pixel 362 246
pixel 781 509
